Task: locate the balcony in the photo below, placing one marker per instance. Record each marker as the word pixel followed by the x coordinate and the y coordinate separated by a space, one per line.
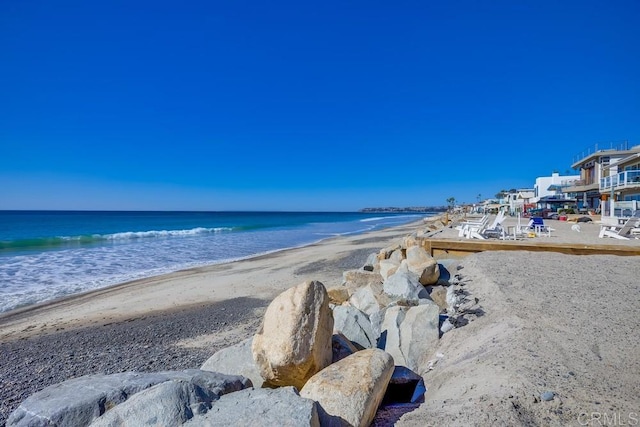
pixel 623 180
pixel 578 186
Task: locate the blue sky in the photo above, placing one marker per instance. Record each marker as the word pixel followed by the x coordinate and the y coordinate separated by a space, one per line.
pixel 295 105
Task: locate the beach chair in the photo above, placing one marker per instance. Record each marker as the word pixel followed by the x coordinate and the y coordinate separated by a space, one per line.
pixel 521 230
pixel 495 230
pixel 464 226
pixel 539 227
pixel 478 232
pixel 622 232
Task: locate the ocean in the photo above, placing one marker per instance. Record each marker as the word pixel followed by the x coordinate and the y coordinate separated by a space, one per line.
pixel 45 255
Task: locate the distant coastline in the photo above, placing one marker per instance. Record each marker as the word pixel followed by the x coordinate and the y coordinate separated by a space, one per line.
pixel 415 209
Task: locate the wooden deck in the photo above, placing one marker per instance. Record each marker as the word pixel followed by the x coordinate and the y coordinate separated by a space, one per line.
pixel 439 248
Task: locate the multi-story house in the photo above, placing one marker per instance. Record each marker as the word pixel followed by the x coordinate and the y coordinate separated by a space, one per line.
pixel 594 165
pixel 621 184
pixel 520 200
pixel 551 186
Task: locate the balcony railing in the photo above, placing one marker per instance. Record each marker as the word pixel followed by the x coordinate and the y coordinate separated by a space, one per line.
pixel 572 183
pixel 609 146
pixel 626 179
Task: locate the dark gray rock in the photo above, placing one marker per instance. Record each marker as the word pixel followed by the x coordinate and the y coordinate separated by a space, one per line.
pixel 173 402
pixel 353 324
pixel 79 401
pixel 341 347
pixel 547 396
pixel 260 407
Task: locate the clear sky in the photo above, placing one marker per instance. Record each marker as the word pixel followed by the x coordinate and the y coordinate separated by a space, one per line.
pixel 332 105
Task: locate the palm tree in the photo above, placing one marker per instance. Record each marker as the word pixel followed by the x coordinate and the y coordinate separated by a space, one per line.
pixel 451 202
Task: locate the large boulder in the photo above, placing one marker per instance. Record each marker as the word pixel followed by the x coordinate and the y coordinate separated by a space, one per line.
pixel 389 339
pixel 354 325
pixel 376 320
pixel 235 360
pixel 79 401
pixel 370 298
pixel 260 407
pixel 350 391
pixel 404 285
pixel 170 403
pixel 294 341
pixel 410 334
pixel 423 265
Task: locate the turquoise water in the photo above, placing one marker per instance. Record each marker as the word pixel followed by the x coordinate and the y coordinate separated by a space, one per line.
pixel 49 254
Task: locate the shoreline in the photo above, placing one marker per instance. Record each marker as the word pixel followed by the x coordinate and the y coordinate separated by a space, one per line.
pixel 21 322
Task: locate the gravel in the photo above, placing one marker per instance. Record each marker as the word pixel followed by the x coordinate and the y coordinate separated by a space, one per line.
pixel 145 344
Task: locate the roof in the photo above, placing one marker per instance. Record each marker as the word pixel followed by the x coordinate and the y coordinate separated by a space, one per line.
pixel 526 194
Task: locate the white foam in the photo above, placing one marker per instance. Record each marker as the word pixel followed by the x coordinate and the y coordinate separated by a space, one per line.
pixel 162 233
pixel 31 278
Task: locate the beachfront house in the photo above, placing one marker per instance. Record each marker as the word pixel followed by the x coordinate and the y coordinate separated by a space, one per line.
pixel 520 201
pixel 595 165
pixel 621 185
pixel 551 186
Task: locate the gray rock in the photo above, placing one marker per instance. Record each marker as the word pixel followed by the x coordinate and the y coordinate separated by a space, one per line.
pixel 369 299
pixel 78 401
pixel 260 407
pixel 171 403
pixel 235 360
pixel 390 337
pixel 353 324
pixel 404 285
pixel 547 396
pixel 411 334
pixel 376 320
pixel 446 326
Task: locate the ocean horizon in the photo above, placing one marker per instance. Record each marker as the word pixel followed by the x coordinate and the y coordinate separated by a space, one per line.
pixel 45 255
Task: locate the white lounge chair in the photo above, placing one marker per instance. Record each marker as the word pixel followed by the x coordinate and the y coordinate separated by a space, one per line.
pixel 484 231
pixel 494 230
pixel 623 232
pixel 464 226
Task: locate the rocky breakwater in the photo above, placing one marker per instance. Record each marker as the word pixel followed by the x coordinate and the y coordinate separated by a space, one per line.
pixel 321 357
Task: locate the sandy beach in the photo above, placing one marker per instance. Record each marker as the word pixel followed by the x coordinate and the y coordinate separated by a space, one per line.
pixel 553 323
